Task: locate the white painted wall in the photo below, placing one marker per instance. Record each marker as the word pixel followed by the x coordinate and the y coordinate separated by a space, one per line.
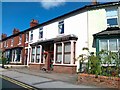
pixel 96 23
pixel 83 25
pixel 78 25
pixel 50 31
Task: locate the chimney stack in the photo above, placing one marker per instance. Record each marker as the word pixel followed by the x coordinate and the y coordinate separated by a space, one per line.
pixel 94 2
pixel 33 23
pixel 15 31
pixel 3 36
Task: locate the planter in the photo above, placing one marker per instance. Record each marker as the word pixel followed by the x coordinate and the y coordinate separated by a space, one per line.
pixel 101 81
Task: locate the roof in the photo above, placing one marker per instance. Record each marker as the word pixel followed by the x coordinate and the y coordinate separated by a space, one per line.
pixel 57 39
pixel 112 31
pixel 85 8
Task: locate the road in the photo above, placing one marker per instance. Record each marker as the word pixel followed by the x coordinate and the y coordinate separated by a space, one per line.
pixel 8 83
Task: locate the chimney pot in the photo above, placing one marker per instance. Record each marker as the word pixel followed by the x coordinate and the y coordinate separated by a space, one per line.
pixel 33 23
pixel 15 31
pixel 3 36
pixel 94 2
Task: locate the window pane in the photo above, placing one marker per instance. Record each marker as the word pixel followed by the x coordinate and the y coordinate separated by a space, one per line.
pixel 61 27
pixel 67 58
pixel 38 50
pixel 33 50
pixel 59 58
pixel 119 44
pixel 38 59
pixel 112 21
pixel 67 47
pixel 32 60
pixel 103 45
pixel 31 38
pixel 40 34
pixel 113 45
pixel 59 48
pixel 111 12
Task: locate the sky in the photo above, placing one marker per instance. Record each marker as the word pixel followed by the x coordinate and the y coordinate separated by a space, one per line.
pixel 19 14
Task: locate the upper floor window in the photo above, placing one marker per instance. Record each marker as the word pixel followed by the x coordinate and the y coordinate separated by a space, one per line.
pixel 31 36
pixel 112 17
pixel 12 41
pixel 20 39
pixel 41 32
pixel 26 37
pixel 6 43
pixel 61 27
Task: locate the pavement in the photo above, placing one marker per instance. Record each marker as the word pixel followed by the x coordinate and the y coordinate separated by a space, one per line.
pixel 41 79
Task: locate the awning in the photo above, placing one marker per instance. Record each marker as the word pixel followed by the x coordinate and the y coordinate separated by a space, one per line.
pixel 109 32
pixel 57 39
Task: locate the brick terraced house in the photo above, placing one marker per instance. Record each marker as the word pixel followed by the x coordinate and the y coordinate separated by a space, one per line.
pixel 54 45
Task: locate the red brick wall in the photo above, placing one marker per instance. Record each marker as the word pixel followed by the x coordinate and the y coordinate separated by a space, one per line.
pixel 64 69
pixel 36 66
pixel 101 81
pixel 16 44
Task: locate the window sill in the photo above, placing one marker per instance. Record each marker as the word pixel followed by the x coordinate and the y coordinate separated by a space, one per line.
pixel 35 63
pixel 19 44
pixel 26 42
pixel 64 64
pixel 15 62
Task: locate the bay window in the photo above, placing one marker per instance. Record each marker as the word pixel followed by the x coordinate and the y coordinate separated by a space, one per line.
pixel 65 52
pixel 109 45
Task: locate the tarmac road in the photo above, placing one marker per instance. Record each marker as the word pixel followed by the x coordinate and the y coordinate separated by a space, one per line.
pixel 8 83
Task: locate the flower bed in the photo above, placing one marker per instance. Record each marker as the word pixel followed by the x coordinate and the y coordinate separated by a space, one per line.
pixel 101 81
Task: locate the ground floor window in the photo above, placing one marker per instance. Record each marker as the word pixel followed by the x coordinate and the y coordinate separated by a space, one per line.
pixel 65 52
pixel 33 54
pixel 109 44
pixel 59 53
pixel 16 55
pixel 112 45
pixel 38 54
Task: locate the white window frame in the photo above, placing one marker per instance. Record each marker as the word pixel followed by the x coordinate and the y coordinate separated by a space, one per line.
pixel 40 31
pixel 20 38
pixel 72 56
pixel 26 38
pixel 61 23
pixel 13 57
pixel 112 17
pixel 108 48
pixel 12 41
pixel 31 34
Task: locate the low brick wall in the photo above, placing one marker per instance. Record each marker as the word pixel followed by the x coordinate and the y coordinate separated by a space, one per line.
pixel 36 66
pixel 102 81
pixel 64 69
